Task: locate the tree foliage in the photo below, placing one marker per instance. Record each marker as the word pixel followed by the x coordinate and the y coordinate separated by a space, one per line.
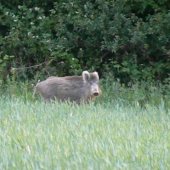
pixel 131 39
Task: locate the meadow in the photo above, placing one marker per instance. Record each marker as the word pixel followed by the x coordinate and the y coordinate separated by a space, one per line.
pixel 125 129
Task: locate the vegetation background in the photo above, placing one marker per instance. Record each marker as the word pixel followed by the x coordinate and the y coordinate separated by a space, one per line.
pixel 129 39
pixel 127 42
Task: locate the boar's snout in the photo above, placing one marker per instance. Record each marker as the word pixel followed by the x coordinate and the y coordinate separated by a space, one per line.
pixel 96 93
pixel 95 90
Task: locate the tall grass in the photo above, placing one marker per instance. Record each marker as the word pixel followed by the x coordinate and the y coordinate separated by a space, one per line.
pixel 117 132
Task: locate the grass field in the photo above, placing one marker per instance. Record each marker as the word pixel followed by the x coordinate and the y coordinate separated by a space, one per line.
pixel 106 136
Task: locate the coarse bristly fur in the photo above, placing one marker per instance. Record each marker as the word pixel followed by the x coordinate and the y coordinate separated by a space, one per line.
pixel 79 89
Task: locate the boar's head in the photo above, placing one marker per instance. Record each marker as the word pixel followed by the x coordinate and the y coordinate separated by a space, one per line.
pixel 92 81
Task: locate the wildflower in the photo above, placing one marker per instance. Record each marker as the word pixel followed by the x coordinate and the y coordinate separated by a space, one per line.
pixel 37 9
pixel 19 7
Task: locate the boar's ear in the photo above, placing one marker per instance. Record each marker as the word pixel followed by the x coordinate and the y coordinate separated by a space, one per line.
pixel 86 76
pixel 95 76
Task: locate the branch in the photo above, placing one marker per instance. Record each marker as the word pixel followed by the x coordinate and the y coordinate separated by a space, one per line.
pixel 30 66
pixel 101 58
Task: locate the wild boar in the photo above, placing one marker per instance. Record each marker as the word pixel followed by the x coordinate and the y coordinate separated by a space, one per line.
pixel 78 89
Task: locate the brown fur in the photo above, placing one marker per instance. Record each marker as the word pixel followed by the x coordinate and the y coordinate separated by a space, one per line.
pixel 73 88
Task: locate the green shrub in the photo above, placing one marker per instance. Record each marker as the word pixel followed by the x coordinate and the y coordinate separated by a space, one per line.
pixel 131 38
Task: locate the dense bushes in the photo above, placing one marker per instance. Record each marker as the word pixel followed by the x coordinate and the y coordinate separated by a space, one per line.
pixel 131 39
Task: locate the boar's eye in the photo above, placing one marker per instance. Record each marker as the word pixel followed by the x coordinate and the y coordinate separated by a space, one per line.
pixel 96 82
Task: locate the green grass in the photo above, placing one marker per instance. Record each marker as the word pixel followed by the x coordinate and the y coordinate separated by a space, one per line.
pixel 104 136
